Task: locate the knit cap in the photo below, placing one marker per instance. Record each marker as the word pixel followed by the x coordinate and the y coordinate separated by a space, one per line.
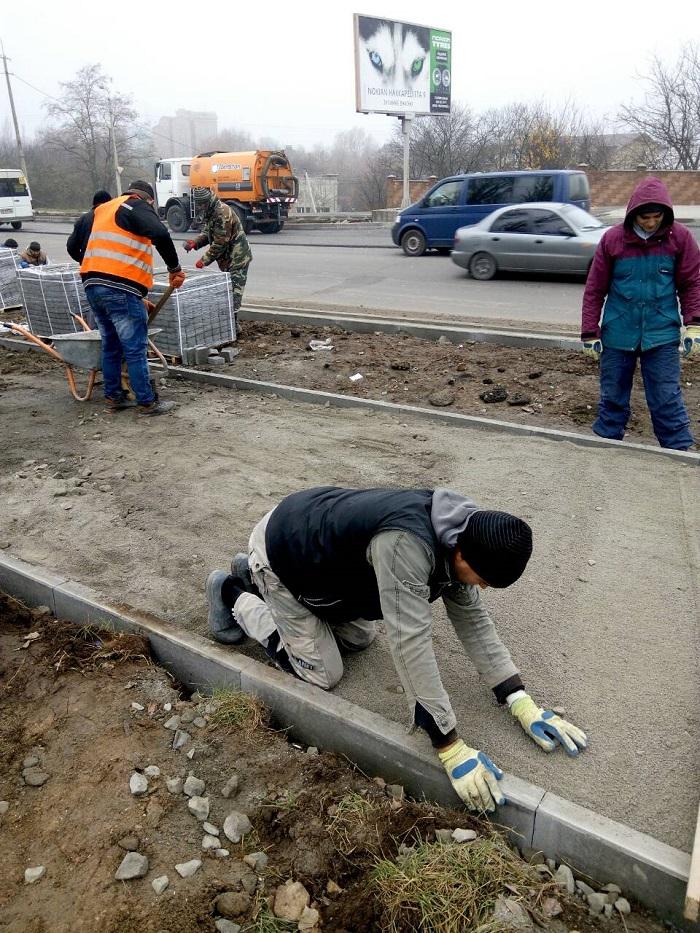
pixel 497 546
pixel 141 187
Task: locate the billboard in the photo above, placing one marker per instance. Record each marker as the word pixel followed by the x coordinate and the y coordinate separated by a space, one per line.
pixel 401 68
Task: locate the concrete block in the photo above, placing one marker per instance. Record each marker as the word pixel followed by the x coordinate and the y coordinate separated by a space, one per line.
pixel 230 354
pixel 34 586
pixel 189 356
pixel 201 355
pixel 654 873
pixel 216 360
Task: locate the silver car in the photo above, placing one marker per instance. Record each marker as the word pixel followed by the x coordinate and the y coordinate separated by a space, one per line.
pixel 534 237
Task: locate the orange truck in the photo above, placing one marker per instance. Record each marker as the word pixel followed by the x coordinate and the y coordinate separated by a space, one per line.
pixel 258 185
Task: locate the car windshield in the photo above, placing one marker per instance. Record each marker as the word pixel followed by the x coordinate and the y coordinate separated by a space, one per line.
pixel 580 219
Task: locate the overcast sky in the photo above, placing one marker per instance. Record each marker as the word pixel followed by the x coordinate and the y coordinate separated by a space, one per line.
pixel 286 70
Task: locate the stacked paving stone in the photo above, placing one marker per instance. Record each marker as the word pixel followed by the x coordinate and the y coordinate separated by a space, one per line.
pixel 199 314
pixel 50 295
pixel 9 286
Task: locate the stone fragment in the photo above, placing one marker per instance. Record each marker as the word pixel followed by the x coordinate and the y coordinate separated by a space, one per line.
pixel 138 707
pixel 623 905
pixel 187 869
pixel 443 835
pixel 187 715
pixel 584 888
pixel 596 902
pixel 210 829
pixel 496 394
pixel 512 915
pixel 396 791
pixel 30 761
pixel 226 926
pixel 232 904
pixel 612 889
pixel 210 842
pixel 174 785
pixel 220 853
pixel 442 398
pixel 519 398
pixel 129 843
pixel 333 888
pixel 34 874
pixel 190 754
pixel 180 739
pixel 309 919
pixel 34 777
pixel 152 771
pixel 608 911
pixel 172 723
pixel 464 835
pixel 290 900
pixel 564 877
pixel 256 860
pixel 160 884
pixel 230 787
pixel 551 907
pixel 154 812
pixel 133 865
pixel 312 750
pixel 4 807
pixel 199 807
pixel 551 864
pixel 193 786
pixel 236 826
pixel 138 784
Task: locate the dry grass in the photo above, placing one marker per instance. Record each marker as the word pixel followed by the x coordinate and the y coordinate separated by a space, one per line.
pixel 353 824
pixel 237 712
pixel 448 888
pixel 265 921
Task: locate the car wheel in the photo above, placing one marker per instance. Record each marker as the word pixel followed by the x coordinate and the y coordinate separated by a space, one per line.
pixel 482 266
pixel 413 243
pixel 16 224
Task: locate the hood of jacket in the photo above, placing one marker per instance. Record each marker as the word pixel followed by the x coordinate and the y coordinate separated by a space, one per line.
pixel 450 513
pixel 650 191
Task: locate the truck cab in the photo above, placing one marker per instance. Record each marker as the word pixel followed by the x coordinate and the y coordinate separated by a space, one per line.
pixel 15 198
pixel 173 192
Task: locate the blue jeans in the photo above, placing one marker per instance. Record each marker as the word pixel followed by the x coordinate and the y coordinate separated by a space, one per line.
pixel 661 372
pixel 122 320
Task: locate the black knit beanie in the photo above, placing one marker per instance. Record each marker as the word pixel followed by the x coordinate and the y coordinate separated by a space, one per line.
pixel 497 546
pixel 141 187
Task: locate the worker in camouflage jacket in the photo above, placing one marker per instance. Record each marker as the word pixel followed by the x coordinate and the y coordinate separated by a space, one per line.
pixel 223 232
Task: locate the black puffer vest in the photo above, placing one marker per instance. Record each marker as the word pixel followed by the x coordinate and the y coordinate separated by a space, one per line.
pixel 317 543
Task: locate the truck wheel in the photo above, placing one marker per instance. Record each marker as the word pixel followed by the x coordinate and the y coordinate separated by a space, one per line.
pixel 246 222
pixel 16 224
pixel 270 228
pixel 177 220
pixel 413 243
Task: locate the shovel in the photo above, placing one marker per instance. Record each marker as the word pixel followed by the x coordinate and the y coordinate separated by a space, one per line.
pixel 151 315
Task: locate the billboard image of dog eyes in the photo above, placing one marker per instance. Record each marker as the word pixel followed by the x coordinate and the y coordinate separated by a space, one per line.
pixel 401 68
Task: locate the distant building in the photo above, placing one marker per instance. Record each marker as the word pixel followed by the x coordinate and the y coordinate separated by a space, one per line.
pixel 187 133
pixel 318 194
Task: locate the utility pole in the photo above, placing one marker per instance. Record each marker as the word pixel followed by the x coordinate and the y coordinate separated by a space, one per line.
pixel 115 158
pixel 23 164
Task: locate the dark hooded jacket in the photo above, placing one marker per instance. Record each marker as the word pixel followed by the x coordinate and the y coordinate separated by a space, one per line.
pixel 638 283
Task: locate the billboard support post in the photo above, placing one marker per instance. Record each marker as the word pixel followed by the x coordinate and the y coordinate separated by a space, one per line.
pixel 406 132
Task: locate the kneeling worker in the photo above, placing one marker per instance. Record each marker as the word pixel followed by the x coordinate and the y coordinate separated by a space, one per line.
pixel 327 561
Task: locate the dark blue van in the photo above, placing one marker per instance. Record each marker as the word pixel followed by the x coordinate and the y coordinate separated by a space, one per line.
pixel 465 199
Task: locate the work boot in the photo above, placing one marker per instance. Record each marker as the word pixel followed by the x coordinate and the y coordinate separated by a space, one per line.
pixel 120 403
pixel 222 625
pixel 155 408
pixel 240 571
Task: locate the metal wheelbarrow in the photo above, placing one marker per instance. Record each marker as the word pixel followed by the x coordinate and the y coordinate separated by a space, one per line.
pixel 84 350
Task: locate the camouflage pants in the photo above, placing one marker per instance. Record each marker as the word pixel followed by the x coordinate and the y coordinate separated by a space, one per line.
pixel 241 258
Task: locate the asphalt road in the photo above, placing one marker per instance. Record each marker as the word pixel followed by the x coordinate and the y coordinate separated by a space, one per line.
pixel 357 266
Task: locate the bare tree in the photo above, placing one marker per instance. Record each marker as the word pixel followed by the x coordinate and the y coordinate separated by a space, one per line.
pixel 86 116
pixel 669 117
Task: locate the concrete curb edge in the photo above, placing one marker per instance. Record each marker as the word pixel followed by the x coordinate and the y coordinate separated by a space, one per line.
pixel 651 871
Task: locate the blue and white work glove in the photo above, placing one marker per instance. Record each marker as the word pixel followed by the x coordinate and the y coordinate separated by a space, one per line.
pixel 544 726
pixel 691 342
pixel 592 349
pixel 473 775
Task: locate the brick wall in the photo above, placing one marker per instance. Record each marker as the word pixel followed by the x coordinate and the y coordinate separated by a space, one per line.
pixel 613 188
pixel 608 189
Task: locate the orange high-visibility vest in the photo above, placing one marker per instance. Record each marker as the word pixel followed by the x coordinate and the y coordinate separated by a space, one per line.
pixel 114 251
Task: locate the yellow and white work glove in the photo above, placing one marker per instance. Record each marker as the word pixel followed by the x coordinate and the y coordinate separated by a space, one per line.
pixel 473 775
pixel 592 349
pixel 544 726
pixel 691 342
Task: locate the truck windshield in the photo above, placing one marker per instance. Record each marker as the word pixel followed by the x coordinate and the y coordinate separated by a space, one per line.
pixel 13 188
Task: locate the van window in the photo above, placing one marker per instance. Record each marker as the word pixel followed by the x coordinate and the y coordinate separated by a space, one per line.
pixel 533 188
pixel 510 189
pixel 444 195
pixel 578 187
pixel 13 188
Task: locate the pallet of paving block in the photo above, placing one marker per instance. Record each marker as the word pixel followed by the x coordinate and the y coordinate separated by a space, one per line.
pixel 51 295
pixel 199 314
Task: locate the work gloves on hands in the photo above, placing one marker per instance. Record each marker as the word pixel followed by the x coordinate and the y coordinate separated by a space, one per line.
pixel 149 306
pixel 691 342
pixel 473 775
pixel 189 245
pixel 544 726
pixel 199 264
pixel 592 349
pixel 176 278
